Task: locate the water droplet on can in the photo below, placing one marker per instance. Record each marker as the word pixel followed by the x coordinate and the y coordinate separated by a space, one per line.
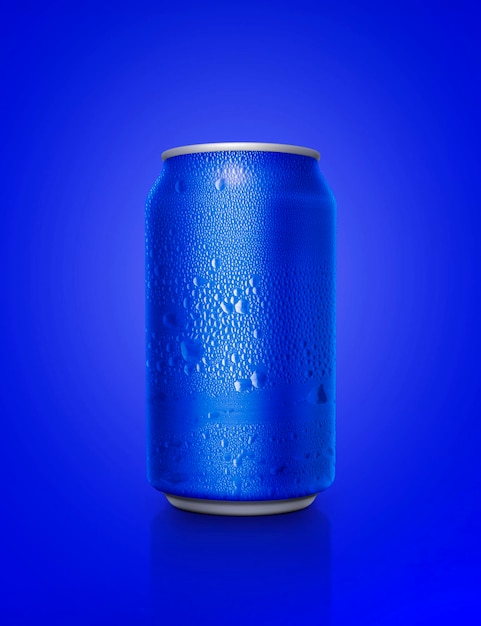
pixel 191 350
pixel 243 385
pixel 242 307
pixel 173 319
pixel 317 395
pixel 259 378
pixel 227 307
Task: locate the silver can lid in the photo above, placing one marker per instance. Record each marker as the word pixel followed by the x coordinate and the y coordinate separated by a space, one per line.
pixel 247 146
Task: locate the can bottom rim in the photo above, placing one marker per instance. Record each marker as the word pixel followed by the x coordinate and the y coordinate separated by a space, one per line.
pixel 238 507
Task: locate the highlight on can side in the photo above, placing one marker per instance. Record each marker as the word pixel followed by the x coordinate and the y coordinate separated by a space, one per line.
pixel 240 286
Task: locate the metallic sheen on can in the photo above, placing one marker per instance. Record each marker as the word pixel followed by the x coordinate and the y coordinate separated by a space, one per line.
pixel 240 325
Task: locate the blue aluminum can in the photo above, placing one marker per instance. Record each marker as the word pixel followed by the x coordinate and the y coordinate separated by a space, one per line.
pixel 240 328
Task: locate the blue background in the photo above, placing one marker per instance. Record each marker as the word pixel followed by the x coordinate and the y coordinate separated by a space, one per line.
pixel 391 98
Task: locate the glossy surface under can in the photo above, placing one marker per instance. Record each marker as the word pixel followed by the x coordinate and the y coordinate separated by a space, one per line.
pixel 240 328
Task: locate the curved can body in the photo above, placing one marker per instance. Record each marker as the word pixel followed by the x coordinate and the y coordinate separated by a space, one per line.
pixel 240 327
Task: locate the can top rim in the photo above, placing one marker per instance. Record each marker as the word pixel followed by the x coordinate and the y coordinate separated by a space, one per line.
pixel 247 146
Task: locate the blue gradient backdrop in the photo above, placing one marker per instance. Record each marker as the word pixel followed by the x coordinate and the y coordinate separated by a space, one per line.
pixel 90 98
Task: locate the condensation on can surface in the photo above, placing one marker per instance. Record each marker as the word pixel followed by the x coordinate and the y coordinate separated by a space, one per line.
pixel 240 327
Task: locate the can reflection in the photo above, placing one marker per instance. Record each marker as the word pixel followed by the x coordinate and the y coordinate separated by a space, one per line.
pixel 218 570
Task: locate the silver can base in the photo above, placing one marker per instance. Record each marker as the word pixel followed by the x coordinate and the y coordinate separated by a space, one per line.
pixel 240 508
